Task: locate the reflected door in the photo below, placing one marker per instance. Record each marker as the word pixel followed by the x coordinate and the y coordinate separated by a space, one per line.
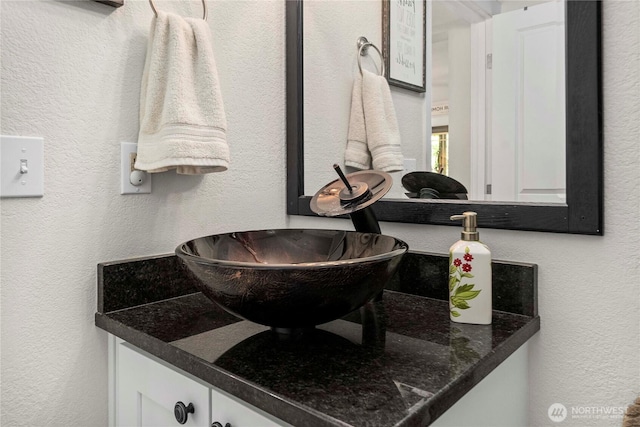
pixel 528 107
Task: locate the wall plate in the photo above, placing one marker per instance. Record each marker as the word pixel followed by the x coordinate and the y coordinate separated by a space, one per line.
pixel 21 166
pixel 128 151
pixel 410 165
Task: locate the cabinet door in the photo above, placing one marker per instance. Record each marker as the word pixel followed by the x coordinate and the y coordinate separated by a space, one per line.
pixel 226 409
pixel 147 392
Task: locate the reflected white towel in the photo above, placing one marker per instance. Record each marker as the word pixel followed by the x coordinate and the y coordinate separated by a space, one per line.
pixel 357 153
pixel 373 141
pixel 383 134
pixel 182 119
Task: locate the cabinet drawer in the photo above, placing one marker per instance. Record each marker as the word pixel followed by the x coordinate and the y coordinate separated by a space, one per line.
pixel 148 391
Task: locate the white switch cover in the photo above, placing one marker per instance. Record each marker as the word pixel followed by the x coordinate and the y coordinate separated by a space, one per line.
pixel 21 166
pixel 127 149
pixel 409 165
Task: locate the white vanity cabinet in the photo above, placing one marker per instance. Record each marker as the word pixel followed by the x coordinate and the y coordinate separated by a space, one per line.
pixel 146 391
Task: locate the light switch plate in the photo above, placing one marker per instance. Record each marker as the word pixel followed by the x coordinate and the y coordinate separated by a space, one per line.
pixel 409 165
pixel 21 166
pixel 127 149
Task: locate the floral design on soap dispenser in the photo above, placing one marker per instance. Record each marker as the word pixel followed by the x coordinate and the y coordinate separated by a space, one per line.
pixel 460 292
pixel 470 294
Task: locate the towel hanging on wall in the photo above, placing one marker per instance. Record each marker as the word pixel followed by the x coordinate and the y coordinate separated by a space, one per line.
pixel 182 120
pixel 357 154
pixel 383 134
pixel 373 139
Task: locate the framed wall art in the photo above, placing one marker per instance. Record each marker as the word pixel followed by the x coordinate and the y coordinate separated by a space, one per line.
pixel 404 43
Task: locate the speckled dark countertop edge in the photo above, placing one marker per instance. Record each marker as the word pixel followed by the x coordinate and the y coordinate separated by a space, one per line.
pixel 165 268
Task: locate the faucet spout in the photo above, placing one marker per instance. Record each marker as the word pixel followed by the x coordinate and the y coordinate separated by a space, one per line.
pixel 365 221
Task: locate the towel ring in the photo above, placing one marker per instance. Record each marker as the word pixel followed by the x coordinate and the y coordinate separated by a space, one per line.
pixel 363 48
pixel 204 8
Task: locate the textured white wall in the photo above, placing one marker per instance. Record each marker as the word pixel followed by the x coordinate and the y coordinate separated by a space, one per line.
pixel 71 74
pixel 440 69
pixel 587 352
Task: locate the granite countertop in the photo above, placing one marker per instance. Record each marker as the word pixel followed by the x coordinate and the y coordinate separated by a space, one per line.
pixel 399 361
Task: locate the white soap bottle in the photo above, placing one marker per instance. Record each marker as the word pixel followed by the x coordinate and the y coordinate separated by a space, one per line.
pixel 469 275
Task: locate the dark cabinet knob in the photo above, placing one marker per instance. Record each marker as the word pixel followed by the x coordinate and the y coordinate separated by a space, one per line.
pixel 217 424
pixel 182 412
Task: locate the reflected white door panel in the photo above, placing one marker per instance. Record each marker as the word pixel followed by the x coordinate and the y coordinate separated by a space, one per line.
pixel 528 108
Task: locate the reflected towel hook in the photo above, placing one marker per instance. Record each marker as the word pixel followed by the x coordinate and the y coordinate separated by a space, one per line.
pixel 363 49
pixel 204 7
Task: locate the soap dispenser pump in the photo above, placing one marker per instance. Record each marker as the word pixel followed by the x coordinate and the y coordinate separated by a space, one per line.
pixel 469 275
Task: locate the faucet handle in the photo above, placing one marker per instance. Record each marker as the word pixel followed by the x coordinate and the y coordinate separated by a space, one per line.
pixel 352 195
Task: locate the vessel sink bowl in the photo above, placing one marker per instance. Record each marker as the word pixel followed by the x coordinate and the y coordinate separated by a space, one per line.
pixel 292 278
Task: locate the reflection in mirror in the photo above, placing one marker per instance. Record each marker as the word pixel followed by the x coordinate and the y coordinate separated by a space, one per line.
pixel 498 76
pixel 331 30
pixel 497 73
pixel 322 63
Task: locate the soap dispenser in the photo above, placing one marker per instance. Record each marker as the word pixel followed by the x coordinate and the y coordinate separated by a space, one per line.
pixel 469 275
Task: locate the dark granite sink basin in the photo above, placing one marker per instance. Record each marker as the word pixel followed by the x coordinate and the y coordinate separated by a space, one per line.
pixel 292 278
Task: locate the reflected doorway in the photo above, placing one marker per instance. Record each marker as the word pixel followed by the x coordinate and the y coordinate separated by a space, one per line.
pixel 440 149
pixel 498 85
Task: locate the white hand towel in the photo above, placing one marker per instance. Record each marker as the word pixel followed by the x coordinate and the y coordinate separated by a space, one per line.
pixel 182 119
pixel 383 134
pixel 373 140
pixel 357 153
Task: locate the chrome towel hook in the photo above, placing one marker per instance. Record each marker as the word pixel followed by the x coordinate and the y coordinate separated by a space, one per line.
pixel 363 49
pixel 204 7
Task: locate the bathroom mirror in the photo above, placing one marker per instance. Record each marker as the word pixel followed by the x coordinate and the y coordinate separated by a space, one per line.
pixel 580 212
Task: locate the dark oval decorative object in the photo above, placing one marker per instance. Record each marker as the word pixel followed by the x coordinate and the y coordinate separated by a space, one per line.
pixel 445 187
pixel 292 278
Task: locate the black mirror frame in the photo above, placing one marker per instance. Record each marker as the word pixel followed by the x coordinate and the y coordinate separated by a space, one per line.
pixel 583 212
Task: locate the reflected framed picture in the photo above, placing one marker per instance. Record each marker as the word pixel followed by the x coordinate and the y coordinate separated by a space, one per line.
pixel 404 43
